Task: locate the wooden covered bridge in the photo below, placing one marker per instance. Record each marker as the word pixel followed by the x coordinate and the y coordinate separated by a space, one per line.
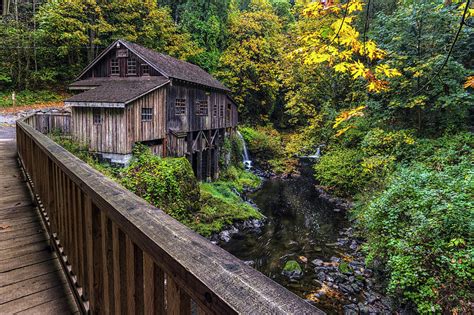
pixel 72 240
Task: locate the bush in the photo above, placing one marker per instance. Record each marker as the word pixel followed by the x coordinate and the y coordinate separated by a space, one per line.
pixel 341 171
pixel 387 143
pixel 419 228
pixel 267 149
pixel 167 183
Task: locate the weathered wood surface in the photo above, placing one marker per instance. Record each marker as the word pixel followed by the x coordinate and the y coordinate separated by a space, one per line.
pixel 47 122
pixel 31 280
pixel 126 255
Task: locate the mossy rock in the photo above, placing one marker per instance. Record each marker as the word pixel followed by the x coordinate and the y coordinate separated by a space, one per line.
pixel 292 270
pixel 345 268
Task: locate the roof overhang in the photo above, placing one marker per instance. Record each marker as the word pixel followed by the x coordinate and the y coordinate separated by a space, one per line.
pixel 94 104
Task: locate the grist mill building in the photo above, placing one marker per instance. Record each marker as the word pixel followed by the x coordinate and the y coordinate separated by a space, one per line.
pixel 130 94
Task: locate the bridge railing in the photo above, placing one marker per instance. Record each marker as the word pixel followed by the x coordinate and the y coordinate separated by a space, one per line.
pixel 51 121
pixel 122 255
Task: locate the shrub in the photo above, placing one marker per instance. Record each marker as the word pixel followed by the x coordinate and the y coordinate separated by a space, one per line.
pixel 419 228
pixel 267 149
pixel 264 143
pixel 387 143
pixel 167 183
pixel 341 171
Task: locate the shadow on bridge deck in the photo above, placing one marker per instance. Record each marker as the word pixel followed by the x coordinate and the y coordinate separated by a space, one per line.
pixel 31 278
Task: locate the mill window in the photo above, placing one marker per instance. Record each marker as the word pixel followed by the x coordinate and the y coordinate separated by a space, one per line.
pixel 147 113
pixel 114 66
pixel 180 107
pixel 202 108
pixel 96 116
pixel 229 111
pixel 215 109
pixel 131 66
pixel 145 70
pixel 221 110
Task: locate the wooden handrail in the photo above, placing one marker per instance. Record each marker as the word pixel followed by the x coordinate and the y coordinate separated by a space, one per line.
pixel 125 255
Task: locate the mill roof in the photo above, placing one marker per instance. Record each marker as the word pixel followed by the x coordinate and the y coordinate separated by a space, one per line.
pixel 168 66
pixel 115 92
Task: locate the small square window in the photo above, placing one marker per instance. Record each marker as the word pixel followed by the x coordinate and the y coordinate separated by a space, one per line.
pixel 202 108
pixel 96 116
pixel 145 69
pixel 180 107
pixel 147 113
pixel 131 66
pixel 114 66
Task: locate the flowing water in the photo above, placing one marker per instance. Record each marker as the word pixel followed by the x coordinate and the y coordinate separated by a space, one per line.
pixel 298 224
pixel 245 153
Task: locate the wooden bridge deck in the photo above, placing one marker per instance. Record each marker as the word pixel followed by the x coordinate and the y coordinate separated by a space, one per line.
pixel 31 279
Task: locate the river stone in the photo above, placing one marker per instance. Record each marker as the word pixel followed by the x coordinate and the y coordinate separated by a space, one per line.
pixel 292 270
pixel 317 262
pixel 226 235
pixel 321 276
pixel 351 309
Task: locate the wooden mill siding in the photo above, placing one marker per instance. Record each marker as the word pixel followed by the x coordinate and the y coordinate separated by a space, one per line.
pixel 102 68
pixel 193 122
pixel 139 130
pixel 109 136
pixel 120 128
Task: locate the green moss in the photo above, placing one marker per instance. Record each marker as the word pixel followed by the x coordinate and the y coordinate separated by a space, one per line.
pixel 221 206
pixel 292 266
pixel 344 267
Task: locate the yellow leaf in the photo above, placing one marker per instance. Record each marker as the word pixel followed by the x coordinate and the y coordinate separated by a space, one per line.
pixel 354 6
pixel 358 70
pixel 343 130
pixel 469 82
pixel 341 67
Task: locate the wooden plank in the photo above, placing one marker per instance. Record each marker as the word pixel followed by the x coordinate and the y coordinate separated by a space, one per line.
pixel 107 276
pixel 89 252
pixel 25 230
pixel 177 301
pixel 30 286
pixel 27 260
pixel 28 271
pixel 59 305
pixel 18 252
pixel 32 300
pixel 24 240
pixel 154 290
pixel 130 271
pixel 116 269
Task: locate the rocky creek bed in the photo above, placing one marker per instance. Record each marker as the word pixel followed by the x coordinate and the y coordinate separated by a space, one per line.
pixel 307 244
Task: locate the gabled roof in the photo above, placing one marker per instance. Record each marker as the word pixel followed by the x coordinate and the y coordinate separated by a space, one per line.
pixel 170 67
pixel 117 92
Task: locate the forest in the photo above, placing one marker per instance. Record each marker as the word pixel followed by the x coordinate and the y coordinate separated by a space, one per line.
pixel 383 88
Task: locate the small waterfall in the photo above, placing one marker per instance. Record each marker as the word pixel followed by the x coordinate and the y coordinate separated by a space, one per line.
pixel 245 154
pixel 316 155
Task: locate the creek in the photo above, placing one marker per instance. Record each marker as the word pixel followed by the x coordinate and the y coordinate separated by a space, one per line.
pixel 303 227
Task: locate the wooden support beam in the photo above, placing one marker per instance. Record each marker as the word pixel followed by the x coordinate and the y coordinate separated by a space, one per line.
pixel 199 156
